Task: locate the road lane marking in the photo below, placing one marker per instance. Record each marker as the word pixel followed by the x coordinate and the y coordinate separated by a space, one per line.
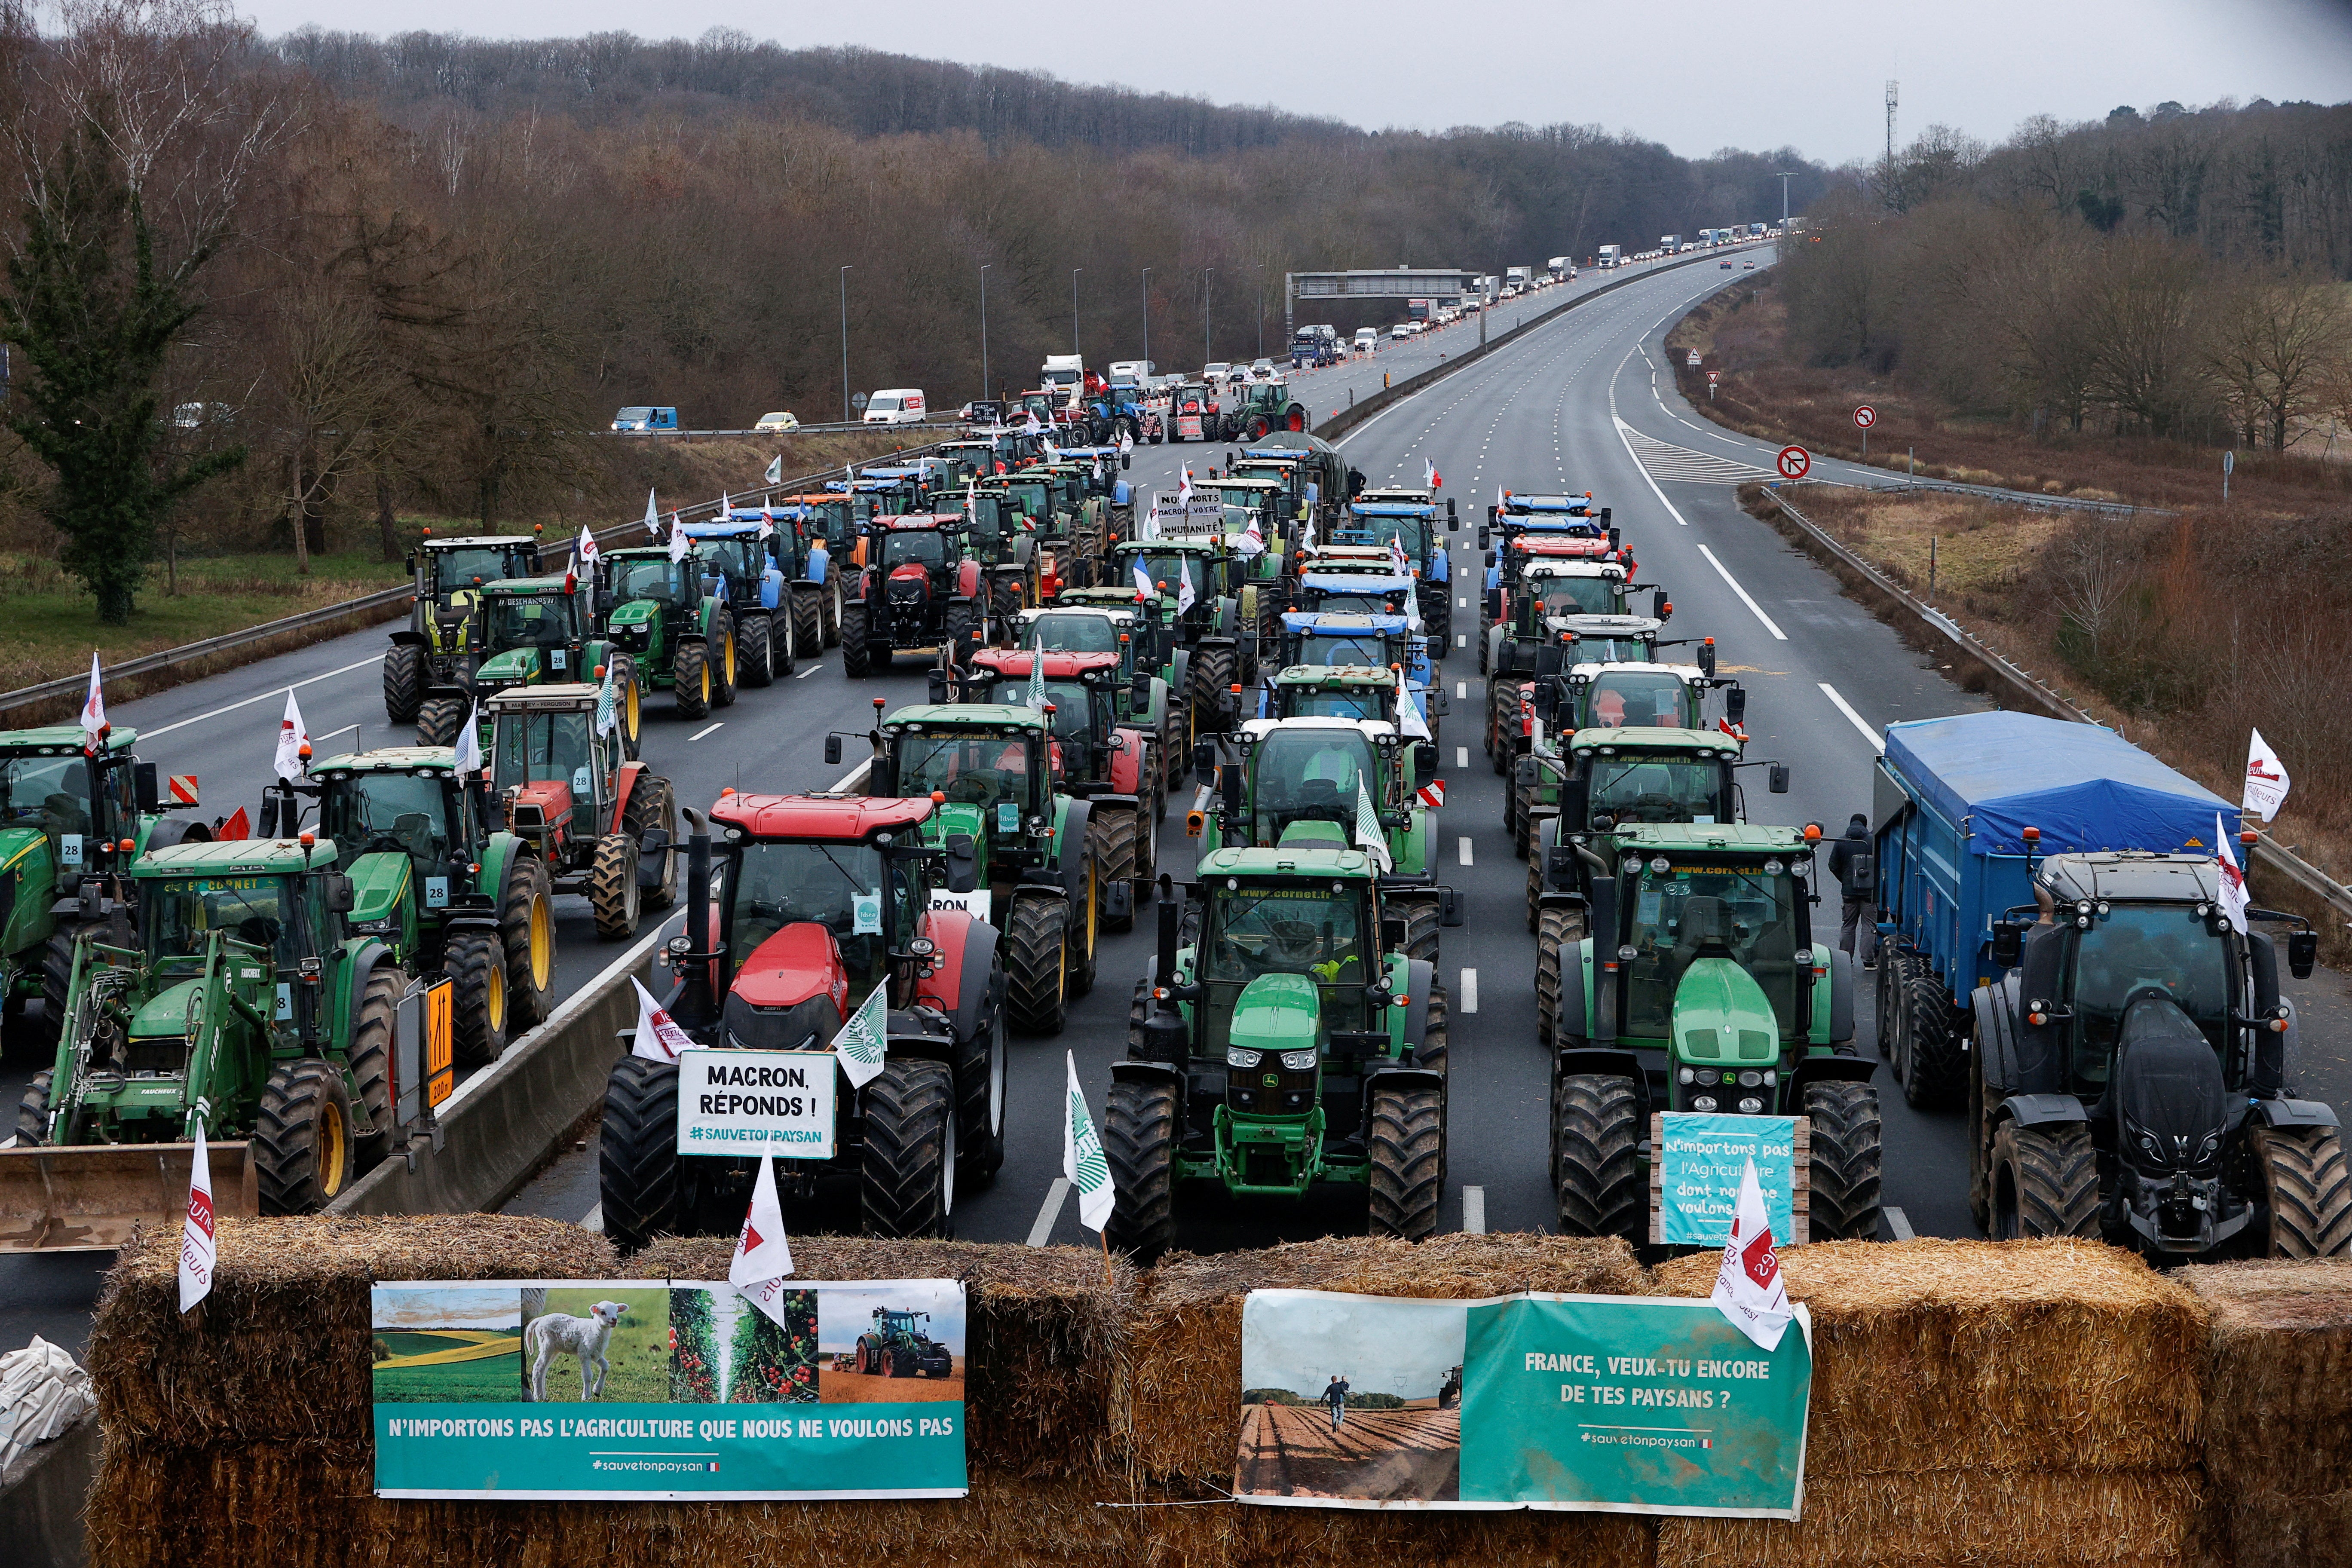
pixel 1721 572
pixel 1462 640
pixel 1461 756
pixel 706 729
pixel 1473 1211
pixel 1469 991
pixel 805 674
pixel 593 1219
pixel 1877 741
pixel 1899 1223
pixel 1461 691
pixel 311 681
pixel 1466 851
pixel 1622 428
pixel 1050 1211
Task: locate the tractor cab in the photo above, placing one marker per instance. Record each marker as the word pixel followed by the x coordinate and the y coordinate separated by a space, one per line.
pixel 1383 640
pixel 738 549
pixel 991 760
pixel 1353 587
pixel 921 589
pixel 1602 640
pixel 444 638
pixel 407 801
pixel 534 630
pixel 1079 688
pixel 1303 780
pixel 824 515
pixel 549 759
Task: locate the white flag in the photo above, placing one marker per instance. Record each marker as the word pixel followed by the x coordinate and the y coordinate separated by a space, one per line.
pixel 767 521
pixel 1126 442
pixel 1251 542
pixel 1184 492
pixel 763 1259
pixel 659 1038
pixel 93 710
pixel 585 551
pixel 1397 562
pixel 1410 724
pixel 1748 1287
pixel 864 1040
pixel 775 474
pixel 653 517
pixel 292 740
pixel 676 538
pixel 1369 834
pixel 1143 589
pixel 468 759
pixel 199 1245
pixel 2266 780
pixel 726 507
pixel 1185 597
pixel 1036 697
pixel 2233 880
pixel 1083 1165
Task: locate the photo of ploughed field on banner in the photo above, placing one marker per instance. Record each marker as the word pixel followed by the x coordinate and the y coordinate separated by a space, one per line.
pixel 1351 1397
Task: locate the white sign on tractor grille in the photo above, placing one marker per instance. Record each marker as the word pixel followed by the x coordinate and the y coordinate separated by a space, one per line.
pixel 756 1103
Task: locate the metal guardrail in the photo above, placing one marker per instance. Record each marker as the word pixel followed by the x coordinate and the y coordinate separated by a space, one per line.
pixel 835 428
pixel 2035 693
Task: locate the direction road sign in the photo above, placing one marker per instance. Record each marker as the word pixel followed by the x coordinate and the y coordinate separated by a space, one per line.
pixel 1794 461
pixel 1866 416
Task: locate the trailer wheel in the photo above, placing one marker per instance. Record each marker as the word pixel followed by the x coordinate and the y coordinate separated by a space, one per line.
pixel 527 928
pixel 1117 843
pixel 690 683
pixel 1036 964
pixel 906 1178
pixel 302 1147
pixel 477 963
pixel 1138 1137
pixel 857 653
pixel 2307 1190
pixel 371 1061
pixel 1596 1167
pixel 1845 1161
pixel 1558 930
pixel 32 1112
pixel 439 719
pixel 637 1151
pixel 404 683
pixel 1928 1061
pixel 2045 1182
pixel 612 886
pixel 654 805
pixel 757 651
pixel 1421 924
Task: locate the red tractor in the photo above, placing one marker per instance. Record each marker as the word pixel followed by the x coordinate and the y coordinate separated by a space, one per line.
pixel 919 587
pixel 602 825
pixel 821 899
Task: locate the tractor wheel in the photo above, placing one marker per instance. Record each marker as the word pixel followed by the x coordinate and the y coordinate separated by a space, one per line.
pixel 40 1034
pixel 1438 622
pixel 1036 966
pixel 759 652
pixel 808 631
pixel 726 664
pixel 1256 427
pixel 1431 1051
pixel 1558 931
pixel 302 1147
pixel 371 1059
pixel 690 681
pixel 1085 922
pixel 1212 679
pixel 965 627
pixel 2045 1182
pixel 857 653
pixel 654 805
pixel 637 1151
pixel 1596 1165
pixel 1523 806
pixel 527 928
pixel 404 683
pixel 1845 1161
pixel 1928 1061
pixel 631 703
pixel 1408 1161
pixel 477 963
pixel 32 1112
pixel 612 886
pixel 833 606
pixel 1536 848
pixel 906 1178
pixel 1139 1007
pixel 1421 924
pixel 1117 842
pixel 981 1076
pixel 1139 1138
pixel 439 719
pixel 2307 1190
pixel 1004 599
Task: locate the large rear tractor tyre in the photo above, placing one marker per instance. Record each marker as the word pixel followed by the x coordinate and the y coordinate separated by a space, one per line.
pixel 630 692
pixel 2045 1182
pixel 906 1178
pixel 1117 841
pixel 36 1039
pixel 1523 808
pixel 757 648
pixel 2306 1191
pixel 1422 925
pixel 301 1148
pixel 982 1073
pixel 965 627
pixel 1036 963
pixel 654 805
pixel 1596 1167
pixel 1004 599
pixel 477 963
pixel 690 679
pixel 1929 1063
pixel 1434 1033
pixel 1558 930
pixel 1138 1136
pixel 439 718
pixel 1437 622
pixel 857 653
pixel 1212 679
pixel 527 928
pixel 810 636
pixel 726 664
pixel 32 1112
pixel 1535 858
pixel 612 887
pixel 834 602
pixel 404 683
pixel 1408 1161
pixel 370 1059
pixel 1845 1161
pixel 637 1153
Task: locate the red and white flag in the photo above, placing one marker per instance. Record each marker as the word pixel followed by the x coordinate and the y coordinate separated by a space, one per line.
pixel 1748 1287
pixel 585 551
pixel 93 710
pixel 2266 780
pixel 2233 880
pixel 763 1259
pixel 1430 477
pixel 199 1246
pixel 1432 795
pixel 293 741
pixel 660 1036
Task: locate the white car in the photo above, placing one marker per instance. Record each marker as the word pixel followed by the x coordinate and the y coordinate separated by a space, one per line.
pixel 777 421
pixel 1214 373
pixel 1401 330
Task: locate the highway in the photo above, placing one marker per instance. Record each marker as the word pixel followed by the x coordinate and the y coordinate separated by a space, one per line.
pixel 1577 405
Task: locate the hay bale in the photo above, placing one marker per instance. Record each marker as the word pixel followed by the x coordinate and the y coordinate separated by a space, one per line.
pixel 1178 1408
pixel 1986 1519
pixel 1945 1355
pixel 281 1348
pixel 2262 1527
pixel 1049 1328
pixel 1243 1535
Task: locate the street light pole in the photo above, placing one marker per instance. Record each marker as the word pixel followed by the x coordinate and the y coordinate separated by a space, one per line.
pixel 985 382
pixel 844 345
pixel 1784 200
pixel 1208 276
pixel 1147 318
pixel 1073 311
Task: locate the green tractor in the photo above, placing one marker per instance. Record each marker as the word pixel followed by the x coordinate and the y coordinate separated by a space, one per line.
pixel 1004 542
pixel 538 630
pixel 65 814
pixel 660 615
pixel 1040 855
pixel 894 1347
pixel 1218 629
pixel 1289 1043
pixel 1300 782
pixel 443 641
pixel 1693 983
pixel 249 999
pixel 1518 644
pixel 1154 669
pixel 1618 697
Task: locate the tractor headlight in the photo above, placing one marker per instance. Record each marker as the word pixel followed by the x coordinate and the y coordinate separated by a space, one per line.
pixel 1749 1105
pixel 1770 1077
pixel 1702 1103
pixel 1296 1061
pixel 1685 1076
pixel 1237 1058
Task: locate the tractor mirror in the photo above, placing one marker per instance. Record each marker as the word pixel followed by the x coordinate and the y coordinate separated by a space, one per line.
pixel 1392 934
pixel 2008 944
pixel 1452 522
pixel 1735 703
pixel 1604 519
pixel 1662 608
pixel 938 686
pixel 963 864
pixel 339 893
pixel 831 750
pixel 1775 778
pixel 1575 803
pixel 2302 953
pixel 1707 659
pixel 1548 702
pixel 412 562
pixel 1204 758
pixel 1127 460
pixel 1485 536
pixel 144 784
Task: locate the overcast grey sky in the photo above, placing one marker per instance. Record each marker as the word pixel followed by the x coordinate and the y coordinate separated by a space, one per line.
pixel 1803 73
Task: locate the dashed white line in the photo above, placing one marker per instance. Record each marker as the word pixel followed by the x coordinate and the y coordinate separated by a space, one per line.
pixel 1461 756
pixel 1770 625
pixel 1461 691
pixel 1050 1211
pixel 1877 739
pixel 1473 1211
pixel 1469 991
pixel 1466 851
pixel 311 681
pixel 706 729
pixel 805 674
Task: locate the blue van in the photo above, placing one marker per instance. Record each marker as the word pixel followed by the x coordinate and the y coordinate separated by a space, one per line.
pixel 641 420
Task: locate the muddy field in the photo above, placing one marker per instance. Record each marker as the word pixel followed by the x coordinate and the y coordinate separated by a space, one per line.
pixel 1290 1450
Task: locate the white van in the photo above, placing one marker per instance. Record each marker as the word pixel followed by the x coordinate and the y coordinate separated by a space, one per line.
pixel 1137 371
pixel 897 405
pixel 1368 340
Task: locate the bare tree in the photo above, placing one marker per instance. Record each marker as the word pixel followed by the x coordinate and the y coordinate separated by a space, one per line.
pixel 2273 344
pixel 2094 580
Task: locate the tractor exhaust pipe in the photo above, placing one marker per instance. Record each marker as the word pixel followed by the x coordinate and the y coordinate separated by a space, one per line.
pixel 1164 959
pixel 700 970
pixel 1229 778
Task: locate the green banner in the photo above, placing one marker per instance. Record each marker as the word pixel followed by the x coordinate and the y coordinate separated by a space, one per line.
pixel 1701 1159
pixel 653 1390
pixel 1597 1403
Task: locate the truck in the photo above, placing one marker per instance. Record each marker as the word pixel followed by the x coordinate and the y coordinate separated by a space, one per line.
pixel 1519 276
pixel 1065 377
pixel 1609 256
pixel 1561 268
pixel 1670 242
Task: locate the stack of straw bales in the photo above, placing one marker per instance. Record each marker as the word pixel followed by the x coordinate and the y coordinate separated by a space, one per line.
pixel 1997 1405
pixel 2278 1411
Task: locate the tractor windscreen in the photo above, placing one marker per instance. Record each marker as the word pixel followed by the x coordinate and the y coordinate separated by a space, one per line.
pixel 653 577
pixel 1412 532
pixel 1366 649
pixel 838 886
pixel 1310 775
pixel 971 768
pixel 2138 947
pixel 1668 788
pixel 1683 911
pixel 1165 571
pixel 1072 718
pixel 1317 930
pixel 179 916
pixel 382 811
pixel 535 747
pixel 1579 595
pixel 1334 702
pixel 742 559
pixel 1071 634
pixel 48 793
pixel 924 547
pixel 1588 649
pixel 455 569
pixel 1623 698
pixel 541 622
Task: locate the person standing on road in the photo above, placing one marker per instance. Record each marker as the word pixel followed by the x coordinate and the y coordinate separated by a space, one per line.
pixel 1856 926
pixel 1336 1396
